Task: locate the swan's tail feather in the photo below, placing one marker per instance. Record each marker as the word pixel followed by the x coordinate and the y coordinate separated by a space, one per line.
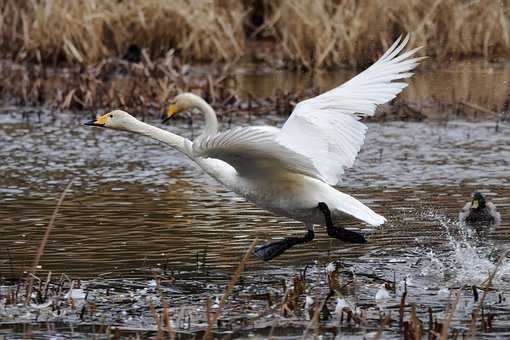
pixel 351 206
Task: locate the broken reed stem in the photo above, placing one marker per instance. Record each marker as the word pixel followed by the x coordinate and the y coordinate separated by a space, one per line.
pixel 472 325
pixel 166 321
pixel 386 321
pixel 208 312
pixel 449 316
pixel 44 241
pixel 230 287
pixel 401 309
pixel 157 320
pixel 316 312
pixel 315 319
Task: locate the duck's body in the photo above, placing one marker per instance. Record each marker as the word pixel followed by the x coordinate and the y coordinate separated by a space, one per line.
pixel 291 171
pixel 479 213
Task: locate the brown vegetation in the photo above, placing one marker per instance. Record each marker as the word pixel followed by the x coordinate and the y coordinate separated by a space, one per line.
pixel 169 306
pixel 312 34
pixel 323 33
pixel 86 31
pixel 133 54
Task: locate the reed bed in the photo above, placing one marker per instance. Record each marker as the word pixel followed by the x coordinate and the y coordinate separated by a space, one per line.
pixel 187 304
pixel 144 88
pixel 319 34
pixel 86 31
pixel 300 33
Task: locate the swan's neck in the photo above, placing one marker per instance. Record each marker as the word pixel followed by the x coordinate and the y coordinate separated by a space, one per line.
pixel 166 137
pixel 211 122
pixel 218 169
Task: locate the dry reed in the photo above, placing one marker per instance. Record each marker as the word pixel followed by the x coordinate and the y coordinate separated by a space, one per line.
pixel 328 33
pixel 44 241
pixel 446 325
pixel 86 31
pixel 312 34
pixel 486 287
pixel 228 290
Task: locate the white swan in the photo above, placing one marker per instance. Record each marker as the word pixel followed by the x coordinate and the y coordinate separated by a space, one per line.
pixel 291 171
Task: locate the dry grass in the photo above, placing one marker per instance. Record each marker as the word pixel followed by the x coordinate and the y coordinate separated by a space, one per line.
pixel 326 33
pixel 313 34
pixel 86 31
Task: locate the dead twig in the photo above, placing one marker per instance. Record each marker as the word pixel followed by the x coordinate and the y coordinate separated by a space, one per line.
pixel 229 289
pixel 44 241
pixel 449 316
pixel 488 282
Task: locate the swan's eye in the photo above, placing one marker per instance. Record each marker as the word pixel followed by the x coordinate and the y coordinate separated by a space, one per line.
pixel 111 116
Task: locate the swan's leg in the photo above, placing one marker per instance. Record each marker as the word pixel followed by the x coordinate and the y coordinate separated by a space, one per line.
pixel 271 250
pixel 339 232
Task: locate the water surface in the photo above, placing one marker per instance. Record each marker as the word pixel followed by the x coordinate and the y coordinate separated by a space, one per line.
pixel 135 202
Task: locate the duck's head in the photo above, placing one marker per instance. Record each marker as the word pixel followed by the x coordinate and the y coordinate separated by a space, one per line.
pixel 478 201
pixel 181 102
pixel 116 119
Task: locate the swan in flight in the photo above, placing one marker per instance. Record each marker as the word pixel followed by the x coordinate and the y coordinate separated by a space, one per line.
pixel 291 171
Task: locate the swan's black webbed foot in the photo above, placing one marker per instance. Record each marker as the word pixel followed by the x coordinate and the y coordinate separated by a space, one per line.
pixel 339 232
pixel 346 235
pixel 271 250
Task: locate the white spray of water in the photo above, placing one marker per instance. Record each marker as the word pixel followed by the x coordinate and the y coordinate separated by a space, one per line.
pixel 465 259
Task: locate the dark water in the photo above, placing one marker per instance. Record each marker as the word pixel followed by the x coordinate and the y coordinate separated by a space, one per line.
pixel 137 203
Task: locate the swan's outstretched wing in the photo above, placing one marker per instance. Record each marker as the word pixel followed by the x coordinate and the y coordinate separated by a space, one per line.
pixel 323 135
pixel 326 129
pixel 253 151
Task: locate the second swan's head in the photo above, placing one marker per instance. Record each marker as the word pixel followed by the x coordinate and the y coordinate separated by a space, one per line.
pixel 116 119
pixel 181 103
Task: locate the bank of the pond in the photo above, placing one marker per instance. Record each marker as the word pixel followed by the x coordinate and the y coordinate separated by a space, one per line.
pixel 472 90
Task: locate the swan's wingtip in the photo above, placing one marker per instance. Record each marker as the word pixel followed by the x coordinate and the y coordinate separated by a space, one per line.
pixel 379 221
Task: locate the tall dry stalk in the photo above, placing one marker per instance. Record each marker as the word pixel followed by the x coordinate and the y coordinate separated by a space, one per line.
pixel 488 283
pixel 449 316
pixel 228 290
pixel 44 241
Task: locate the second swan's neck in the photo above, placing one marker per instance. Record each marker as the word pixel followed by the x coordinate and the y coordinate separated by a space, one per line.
pixel 211 122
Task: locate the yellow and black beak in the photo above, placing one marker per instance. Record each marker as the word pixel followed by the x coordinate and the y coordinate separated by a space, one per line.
pixel 170 111
pixel 99 121
pixel 475 204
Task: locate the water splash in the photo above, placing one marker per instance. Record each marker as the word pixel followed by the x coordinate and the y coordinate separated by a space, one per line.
pixel 467 257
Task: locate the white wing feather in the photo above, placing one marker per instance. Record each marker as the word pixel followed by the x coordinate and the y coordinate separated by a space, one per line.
pixel 253 151
pixel 326 129
pixel 323 135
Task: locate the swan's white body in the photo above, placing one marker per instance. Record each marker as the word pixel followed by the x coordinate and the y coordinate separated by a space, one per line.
pixel 288 171
pixel 290 194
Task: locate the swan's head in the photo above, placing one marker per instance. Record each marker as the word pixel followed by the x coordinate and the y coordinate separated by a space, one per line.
pixel 182 102
pixel 116 119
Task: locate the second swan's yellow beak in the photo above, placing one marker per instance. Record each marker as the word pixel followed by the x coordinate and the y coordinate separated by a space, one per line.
pixel 170 111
